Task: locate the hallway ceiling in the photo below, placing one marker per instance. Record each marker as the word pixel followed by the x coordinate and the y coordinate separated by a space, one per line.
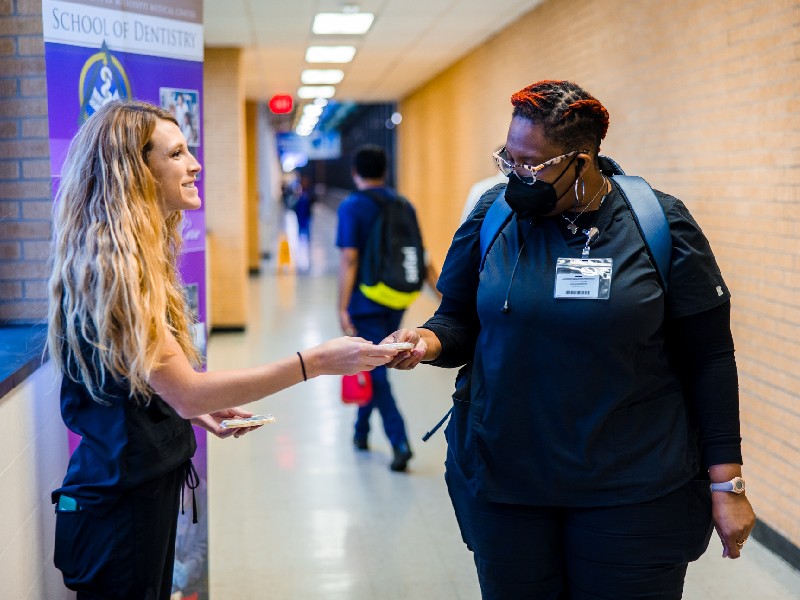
pixel 409 42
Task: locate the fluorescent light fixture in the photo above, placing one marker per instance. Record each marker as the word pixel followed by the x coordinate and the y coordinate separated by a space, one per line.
pixel 316 91
pixel 292 161
pixel 330 54
pixel 323 76
pixel 342 24
pixel 312 110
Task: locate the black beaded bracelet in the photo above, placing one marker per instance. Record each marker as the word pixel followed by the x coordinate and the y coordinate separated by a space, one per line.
pixel 302 366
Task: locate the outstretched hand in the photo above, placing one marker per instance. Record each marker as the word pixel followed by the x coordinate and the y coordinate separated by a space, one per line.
pixel 211 421
pixel 407 359
pixel 345 356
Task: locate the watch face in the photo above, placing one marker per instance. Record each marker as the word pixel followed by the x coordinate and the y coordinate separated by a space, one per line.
pixel 738 485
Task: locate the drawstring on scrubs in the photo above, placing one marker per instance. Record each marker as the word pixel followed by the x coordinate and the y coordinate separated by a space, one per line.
pixel 191 480
pixel 506 308
pixel 436 427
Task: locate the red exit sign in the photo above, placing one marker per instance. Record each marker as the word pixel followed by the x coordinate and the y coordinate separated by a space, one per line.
pixel 281 104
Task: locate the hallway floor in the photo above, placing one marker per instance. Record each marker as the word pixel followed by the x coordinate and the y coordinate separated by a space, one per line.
pixel 296 514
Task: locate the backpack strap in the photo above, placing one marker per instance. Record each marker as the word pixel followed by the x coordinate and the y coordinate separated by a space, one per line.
pixel 382 201
pixel 651 221
pixel 648 215
pixel 498 215
pixel 375 197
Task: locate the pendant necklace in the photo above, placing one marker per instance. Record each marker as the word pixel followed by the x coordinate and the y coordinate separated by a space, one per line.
pixel 573 229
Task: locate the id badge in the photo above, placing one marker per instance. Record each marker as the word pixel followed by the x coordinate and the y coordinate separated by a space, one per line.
pixel 583 278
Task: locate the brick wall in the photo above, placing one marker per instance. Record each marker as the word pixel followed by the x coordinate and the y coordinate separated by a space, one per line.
pixel 25 200
pixel 225 187
pixel 703 97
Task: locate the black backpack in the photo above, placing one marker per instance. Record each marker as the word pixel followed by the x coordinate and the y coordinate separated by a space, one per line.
pixel 392 266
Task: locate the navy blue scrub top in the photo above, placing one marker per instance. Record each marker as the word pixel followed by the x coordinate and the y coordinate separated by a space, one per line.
pixel 124 445
pixel 573 402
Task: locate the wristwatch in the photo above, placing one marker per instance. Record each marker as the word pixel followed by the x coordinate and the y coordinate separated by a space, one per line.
pixel 734 486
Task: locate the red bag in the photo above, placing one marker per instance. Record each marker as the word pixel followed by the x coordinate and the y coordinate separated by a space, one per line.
pixel 357 389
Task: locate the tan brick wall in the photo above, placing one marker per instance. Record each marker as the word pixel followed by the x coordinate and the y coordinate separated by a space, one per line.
pixel 225 189
pixel 704 97
pixel 25 192
pixel 253 243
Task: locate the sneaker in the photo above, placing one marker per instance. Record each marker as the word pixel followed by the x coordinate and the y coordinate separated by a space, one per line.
pixel 402 454
pixel 360 443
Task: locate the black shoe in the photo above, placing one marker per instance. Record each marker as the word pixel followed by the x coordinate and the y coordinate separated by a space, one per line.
pixel 402 454
pixel 360 443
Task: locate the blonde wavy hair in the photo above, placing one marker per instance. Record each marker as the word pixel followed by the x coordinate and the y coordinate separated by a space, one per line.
pixel 114 289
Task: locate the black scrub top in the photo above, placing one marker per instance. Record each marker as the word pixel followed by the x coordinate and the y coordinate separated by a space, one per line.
pixel 124 444
pixel 572 402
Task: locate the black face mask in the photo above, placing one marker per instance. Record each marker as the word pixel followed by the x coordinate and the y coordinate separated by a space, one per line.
pixel 533 200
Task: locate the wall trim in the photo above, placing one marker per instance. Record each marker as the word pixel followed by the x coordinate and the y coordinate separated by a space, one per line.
pixel 21 353
pixel 777 543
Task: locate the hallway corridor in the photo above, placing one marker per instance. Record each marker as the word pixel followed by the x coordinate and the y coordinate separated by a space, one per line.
pixel 296 514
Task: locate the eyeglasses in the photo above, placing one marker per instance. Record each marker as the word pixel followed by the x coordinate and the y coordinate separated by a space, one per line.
pixel 528 175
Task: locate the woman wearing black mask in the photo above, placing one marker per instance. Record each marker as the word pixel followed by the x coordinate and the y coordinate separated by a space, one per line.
pixel 594 415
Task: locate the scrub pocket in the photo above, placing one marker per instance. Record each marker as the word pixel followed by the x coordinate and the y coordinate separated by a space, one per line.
pixel 457 490
pixel 90 550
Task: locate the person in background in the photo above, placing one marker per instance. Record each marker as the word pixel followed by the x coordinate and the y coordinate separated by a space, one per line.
pixel 594 439
pixel 303 209
pixel 478 189
pixel 119 334
pixel 181 108
pixel 358 315
pixel 188 130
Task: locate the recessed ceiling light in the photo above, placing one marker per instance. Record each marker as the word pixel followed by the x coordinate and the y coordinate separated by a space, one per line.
pixel 321 76
pixel 312 109
pixel 342 24
pixel 316 91
pixel 309 118
pixel 330 54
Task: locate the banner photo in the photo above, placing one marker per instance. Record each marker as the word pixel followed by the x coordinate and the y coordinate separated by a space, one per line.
pixel 97 51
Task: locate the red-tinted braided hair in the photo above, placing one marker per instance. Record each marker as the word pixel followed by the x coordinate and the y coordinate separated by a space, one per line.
pixel 570 115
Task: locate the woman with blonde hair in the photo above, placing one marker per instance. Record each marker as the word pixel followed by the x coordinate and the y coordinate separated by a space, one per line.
pixel 120 335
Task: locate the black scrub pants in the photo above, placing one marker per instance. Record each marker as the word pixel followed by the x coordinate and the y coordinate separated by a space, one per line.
pixel 127 553
pixel 630 552
pixel 374 328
